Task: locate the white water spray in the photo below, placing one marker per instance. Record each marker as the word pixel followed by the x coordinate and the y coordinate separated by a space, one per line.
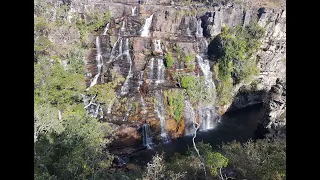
pixel 106 29
pixel 199 31
pixel 133 11
pixel 99 64
pixel 150 69
pixel 159 109
pixel 157 46
pixel 125 87
pixel 146 27
pixel 123 28
pixel 161 71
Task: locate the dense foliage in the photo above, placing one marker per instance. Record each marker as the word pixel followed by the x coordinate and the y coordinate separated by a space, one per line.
pixel 263 159
pixel 175 105
pixel 234 51
pixel 169 61
pixel 68 144
pixel 196 89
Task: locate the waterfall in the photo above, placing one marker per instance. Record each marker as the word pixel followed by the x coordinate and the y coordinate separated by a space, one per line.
pixel 123 28
pixel 157 46
pixel 99 63
pixel 113 51
pixel 188 32
pixel 146 135
pixel 140 79
pixel 188 119
pixel 125 88
pixel 133 11
pixel 199 29
pixel 96 112
pixel 205 68
pixel 150 69
pixel 161 71
pixel 146 27
pixel 120 48
pixel 106 29
pixel 208 118
pixel 159 109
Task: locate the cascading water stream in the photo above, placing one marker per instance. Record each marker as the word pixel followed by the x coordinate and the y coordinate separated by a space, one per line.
pixel 188 32
pixel 146 27
pixel 159 109
pixel 125 87
pixel 99 63
pixel 188 119
pixel 208 118
pixel 133 11
pixel 150 69
pixel 205 68
pixel 140 79
pixel 113 51
pixel 123 28
pixel 199 32
pixel 161 71
pixel 157 46
pixel 106 29
pixel 146 135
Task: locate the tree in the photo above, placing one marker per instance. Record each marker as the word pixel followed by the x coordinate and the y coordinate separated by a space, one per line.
pixel 156 170
pixel 263 159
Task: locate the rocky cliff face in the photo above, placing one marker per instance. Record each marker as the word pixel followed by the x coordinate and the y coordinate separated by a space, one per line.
pixel 140 32
pixel 274 105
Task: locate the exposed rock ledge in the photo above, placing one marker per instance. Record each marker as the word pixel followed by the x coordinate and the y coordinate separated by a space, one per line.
pixel 274 104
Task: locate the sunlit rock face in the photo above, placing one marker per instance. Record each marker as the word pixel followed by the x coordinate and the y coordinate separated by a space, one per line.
pixel 133 44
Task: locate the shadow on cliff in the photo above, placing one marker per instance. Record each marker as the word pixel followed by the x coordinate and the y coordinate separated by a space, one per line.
pixel 245 98
pixel 214 48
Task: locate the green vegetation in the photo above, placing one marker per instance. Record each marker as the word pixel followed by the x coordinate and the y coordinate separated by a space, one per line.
pixel 175 105
pixel 106 92
pixel 189 61
pixel 68 144
pixel 169 61
pixel 98 20
pixel 213 160
pixel 196 89
pixel 263 159
pixel 235 56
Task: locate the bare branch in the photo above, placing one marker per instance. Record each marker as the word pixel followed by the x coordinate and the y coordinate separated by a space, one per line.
pixel 196 127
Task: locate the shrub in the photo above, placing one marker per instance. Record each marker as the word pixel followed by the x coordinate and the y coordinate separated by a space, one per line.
pixel 189 61
pixel 235 51
pixel 169 61
pixel 196 89
pixel 175 104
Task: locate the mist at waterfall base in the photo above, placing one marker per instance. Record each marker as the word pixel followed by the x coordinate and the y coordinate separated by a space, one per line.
pixel 239 125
